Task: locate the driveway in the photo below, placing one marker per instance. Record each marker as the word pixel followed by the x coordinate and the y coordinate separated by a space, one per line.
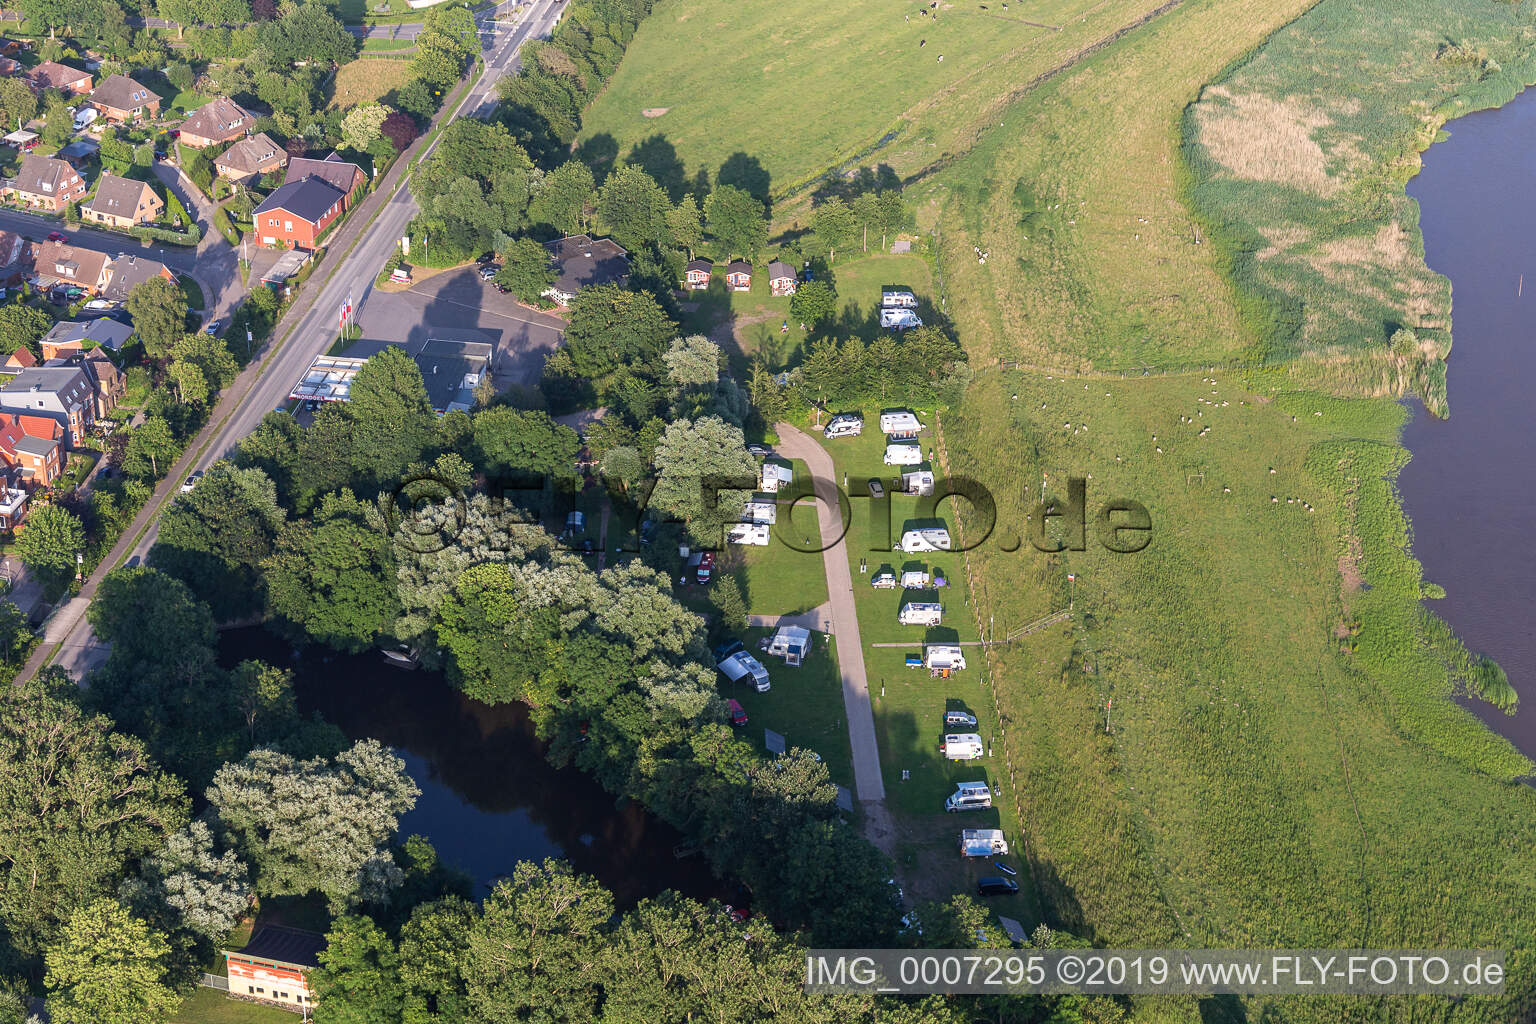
pixel 215 269
pixel 459 300
pixel 870 785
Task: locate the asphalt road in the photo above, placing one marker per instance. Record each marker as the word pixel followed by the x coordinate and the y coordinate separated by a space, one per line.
pixel 68 630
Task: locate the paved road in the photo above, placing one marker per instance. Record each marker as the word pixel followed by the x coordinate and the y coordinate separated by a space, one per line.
pixel 215 266
pixel 870 785
pixel 264 386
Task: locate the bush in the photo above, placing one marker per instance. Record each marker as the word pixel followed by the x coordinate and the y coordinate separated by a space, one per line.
pixel 191 236
pixel 176 212
pixel 395 259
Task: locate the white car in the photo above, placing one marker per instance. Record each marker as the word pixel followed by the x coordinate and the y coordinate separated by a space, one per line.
pixel 191 482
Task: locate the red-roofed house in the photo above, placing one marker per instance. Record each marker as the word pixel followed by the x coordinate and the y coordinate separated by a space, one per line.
pixel 34 445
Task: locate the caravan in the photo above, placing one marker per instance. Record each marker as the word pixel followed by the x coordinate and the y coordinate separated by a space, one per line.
pixel 760 512
pixel 741 667
pixel 964 746
pixel 933 539
pixel 917 481
pixel 897 299
pixel 921 613
pixel 906 453
pixel 754 534
pixel 900 424
pixel 982 842
pixel 969 796
pixel 914 579
pixel 943 658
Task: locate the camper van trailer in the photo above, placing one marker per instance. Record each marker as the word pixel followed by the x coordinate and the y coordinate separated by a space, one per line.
pixel 917 481
pixel 969 796
pixel 944 657
pixel 760 512
pixel 914 579
pixel 982 842
pixel 753 534
pixel 905 453
pixel 921 613
pixel 741 667
pixel 934 539
pixel 899 319
pixel 900 424
pixel 897 299
pixel 963 746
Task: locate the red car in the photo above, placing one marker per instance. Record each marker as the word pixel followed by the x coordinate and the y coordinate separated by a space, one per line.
pixel 57 236
pixel 706 568
pixel 738 714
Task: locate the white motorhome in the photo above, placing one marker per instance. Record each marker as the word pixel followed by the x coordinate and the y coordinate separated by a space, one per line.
pixel 742 667
pixel 905 453
pixel 753 534
pixel 903 423
pixel 899 319
pixel 898 300
pixel 982 842
pixel 969 796
pixel 846 424
pixel 775 475
pixel 963 746
pixel 760 512
pixel 933 539
pixel 917 481
pixel 921 613
pixel 944 657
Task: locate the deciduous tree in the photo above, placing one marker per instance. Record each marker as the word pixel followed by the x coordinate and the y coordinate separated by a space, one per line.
pixel 190 885
pixel 49 546
pixel 108 967
pixel 159 312
pixel 526 270
pixel 358 980
pixel 215 538
pixel 736 220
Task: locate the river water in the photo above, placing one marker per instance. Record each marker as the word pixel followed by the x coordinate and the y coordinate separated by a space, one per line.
pixel 1470 490
pixel 488 797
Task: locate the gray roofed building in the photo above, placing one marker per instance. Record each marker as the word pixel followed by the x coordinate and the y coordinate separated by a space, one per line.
pixel 128 272
pixel 62 393
pixel 339 174
pixel 104 331
pixel 309 198
pixel 450 367
pixel 583 262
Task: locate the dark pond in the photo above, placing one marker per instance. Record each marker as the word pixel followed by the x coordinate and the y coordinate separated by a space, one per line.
pixel 1470 490
pixel 488 797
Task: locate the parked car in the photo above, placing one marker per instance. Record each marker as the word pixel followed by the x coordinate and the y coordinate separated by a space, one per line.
pixel 996 885
pixel 488 272
pixel 959 719
pixel 760 451
pixel 485 258
pixel 191 481
pixel 875 490
pixel 57 236
pixel 214 327
pixel 738 713
pixel 706 568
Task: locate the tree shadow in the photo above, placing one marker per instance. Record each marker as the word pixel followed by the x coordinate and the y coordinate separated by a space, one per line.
pixel 747 173
pixel 599 153
pixel 846 185
pixel 658 158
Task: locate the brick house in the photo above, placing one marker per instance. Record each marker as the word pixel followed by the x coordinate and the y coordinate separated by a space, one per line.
pixel 61 393
pixel 31 445
pixel 121 99
pixel 15 259
pixel 46 183
pixel 274 967
pixel 53 75
pixel 247 160
pixel 781 278
pixel 297 214
pixel 696 277
pixel 122 203
pixel 348 179
pixel 68 336
pixel 738 276
pixel 218 121
pixel 61 263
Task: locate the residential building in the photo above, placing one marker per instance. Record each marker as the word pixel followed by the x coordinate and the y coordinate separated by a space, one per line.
pixel 781 278
pixel 53 75
pixel 247 160
pixel 583 262
pixel 348 179
pixel 218 121
pixel 122 203
pixel 61 393
pixel 31 445
pixel 80 152
pixel 274 967
pixel 18 360
pixel 451 367
pixel 46 183
pixel 9 66
pixel 11 47
pixel 15 259
pixel 127 272
pixel 738 276
pixel 59 263
pixel 71 335
pixel 298 213
pixel 696 276
pixel 108 384
pixel 120 98
pixel 13 500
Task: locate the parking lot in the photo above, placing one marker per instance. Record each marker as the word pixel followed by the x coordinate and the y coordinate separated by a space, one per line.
pixel 459 300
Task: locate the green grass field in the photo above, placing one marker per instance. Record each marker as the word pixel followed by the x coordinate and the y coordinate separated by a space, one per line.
pixel 366 80
pixel 764 88
pixel 804 705
pixel 209 1006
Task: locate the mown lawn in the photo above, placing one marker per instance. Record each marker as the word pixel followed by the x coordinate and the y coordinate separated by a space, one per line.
pixel 210 1006
pixel 804 705
pixel 880 61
